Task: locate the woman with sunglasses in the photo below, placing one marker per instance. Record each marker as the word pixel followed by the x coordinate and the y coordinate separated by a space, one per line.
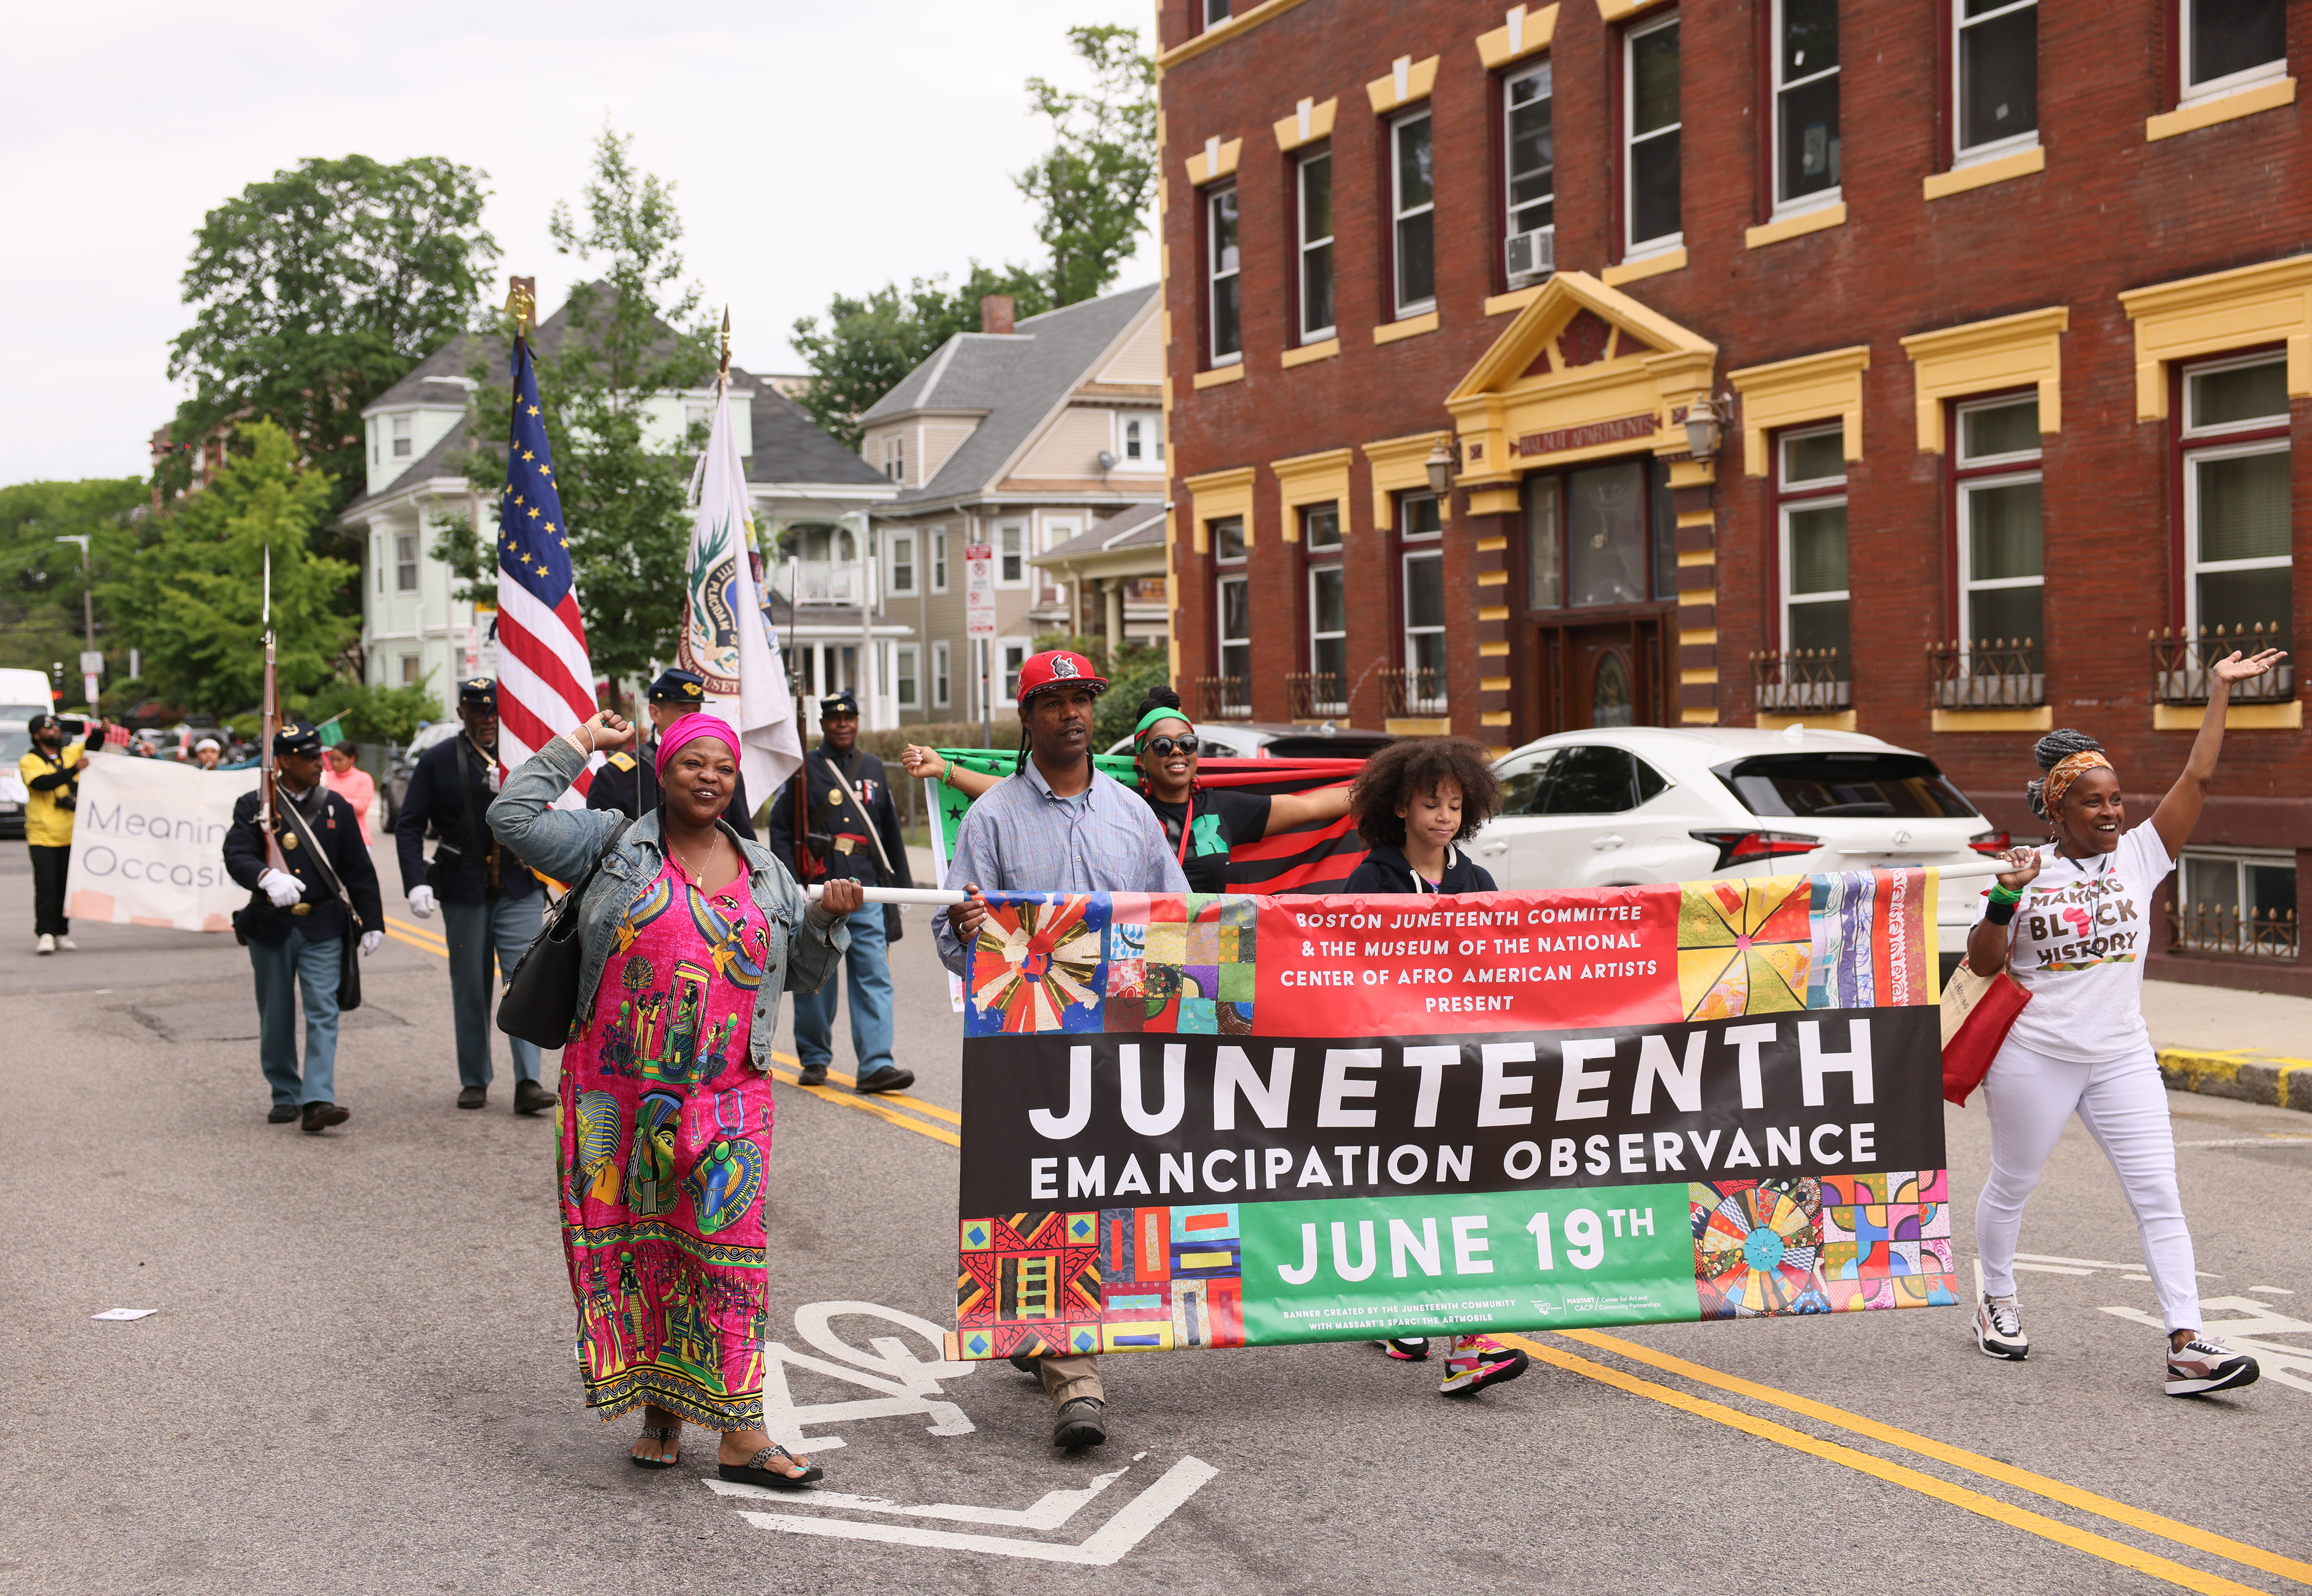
pixel 1201 824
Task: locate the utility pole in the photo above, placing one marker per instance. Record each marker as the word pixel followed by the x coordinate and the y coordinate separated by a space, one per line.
pixel 90 661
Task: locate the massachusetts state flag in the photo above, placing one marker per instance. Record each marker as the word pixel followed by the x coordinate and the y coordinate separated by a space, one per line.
pixel 545 684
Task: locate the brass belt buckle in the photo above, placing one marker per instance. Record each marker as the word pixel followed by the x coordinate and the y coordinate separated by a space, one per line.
pixel 843 844
pixel 300 909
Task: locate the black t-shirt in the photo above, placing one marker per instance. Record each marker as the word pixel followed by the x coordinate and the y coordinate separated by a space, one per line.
pixel 1223 819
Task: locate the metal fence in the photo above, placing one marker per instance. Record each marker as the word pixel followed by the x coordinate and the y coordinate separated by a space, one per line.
pixel 1411 692
pixel 1315 694
pixel 1223 698
pixel 1788 681
pixel 2221 928
pixel 1990 673
pixel 2180 662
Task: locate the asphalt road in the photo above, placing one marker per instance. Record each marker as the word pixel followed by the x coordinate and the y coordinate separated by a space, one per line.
pixel 360 1374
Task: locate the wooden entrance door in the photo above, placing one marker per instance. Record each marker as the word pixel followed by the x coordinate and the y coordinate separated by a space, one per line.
pixel 1605 673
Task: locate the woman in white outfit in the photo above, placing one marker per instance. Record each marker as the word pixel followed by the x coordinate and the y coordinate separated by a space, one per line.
pixel 2075 920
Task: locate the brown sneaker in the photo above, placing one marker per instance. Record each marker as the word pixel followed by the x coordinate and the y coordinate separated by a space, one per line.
pixel 319 1116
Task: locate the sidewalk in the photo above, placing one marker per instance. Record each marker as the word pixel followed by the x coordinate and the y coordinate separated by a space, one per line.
pixel 2253 1046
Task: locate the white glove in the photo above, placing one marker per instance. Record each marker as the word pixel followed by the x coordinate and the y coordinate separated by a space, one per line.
pixel 281 886
pixel 371 941
pixel 421 901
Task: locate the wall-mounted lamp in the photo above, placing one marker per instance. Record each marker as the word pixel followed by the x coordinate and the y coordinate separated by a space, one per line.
pixel 1439 466
pixel 1705 422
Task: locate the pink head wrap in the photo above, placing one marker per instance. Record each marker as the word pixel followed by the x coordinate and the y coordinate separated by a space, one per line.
pixel 690 729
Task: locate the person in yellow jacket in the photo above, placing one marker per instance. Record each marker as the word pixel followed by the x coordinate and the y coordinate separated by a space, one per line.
pixel 51 773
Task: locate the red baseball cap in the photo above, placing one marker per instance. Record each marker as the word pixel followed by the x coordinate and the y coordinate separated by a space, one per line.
pixel 1058 668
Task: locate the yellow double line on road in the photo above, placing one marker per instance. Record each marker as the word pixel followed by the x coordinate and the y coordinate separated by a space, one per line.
pixel 893 1108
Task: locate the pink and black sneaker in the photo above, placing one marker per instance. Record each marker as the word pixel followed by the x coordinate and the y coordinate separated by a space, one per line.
pixel 1411 1349
pixel 1476 1362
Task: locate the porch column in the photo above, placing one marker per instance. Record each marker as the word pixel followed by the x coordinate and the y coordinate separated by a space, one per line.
pixel 1112 593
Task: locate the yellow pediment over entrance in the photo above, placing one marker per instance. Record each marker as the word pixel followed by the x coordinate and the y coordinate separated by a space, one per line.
pixel 1583 372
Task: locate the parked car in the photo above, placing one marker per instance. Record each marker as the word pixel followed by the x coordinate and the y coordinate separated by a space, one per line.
pixel 395 784
pixel 15 742
pixel 1274 740
pixel 1629 805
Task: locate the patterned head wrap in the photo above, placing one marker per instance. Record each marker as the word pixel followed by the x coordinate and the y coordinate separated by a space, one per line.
pixel 2067 770
pixel 690 728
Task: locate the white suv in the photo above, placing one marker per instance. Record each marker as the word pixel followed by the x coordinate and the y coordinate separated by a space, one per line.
pixel 1627 805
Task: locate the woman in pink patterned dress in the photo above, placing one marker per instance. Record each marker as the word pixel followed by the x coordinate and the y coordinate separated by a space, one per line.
pixel 689 934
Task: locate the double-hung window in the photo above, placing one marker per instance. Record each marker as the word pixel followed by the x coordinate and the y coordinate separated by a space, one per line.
pixel 1529 165
pixel 939 559
pixel 402 438
pixel 1313 176
pixel 1810 493
pixel 2237 537
pixel 2231 44
pixel 1012 554
pixel 903 562
pixel 1214 11
pixel 1232 612
pixel 2002 627
pixel 1995 77
pixel 1652 126
pixel 1413 204
pixel 1012 653
pixel 1420 536
pixel 405 562
pixel 905 688
pixel 894 457
pixel 1806 103
pixel 1221 295
pixel 1328 610
pixel 940 692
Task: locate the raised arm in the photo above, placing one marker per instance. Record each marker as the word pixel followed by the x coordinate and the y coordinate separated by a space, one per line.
pixel 2179 811
pixel 1287 810
pixel 929 762
pixel 562 843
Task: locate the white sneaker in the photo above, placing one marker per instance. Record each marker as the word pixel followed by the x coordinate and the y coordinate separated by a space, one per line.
pixel 2204 1366
pixel 1999 1329
pixel 47 944
pixel 67 944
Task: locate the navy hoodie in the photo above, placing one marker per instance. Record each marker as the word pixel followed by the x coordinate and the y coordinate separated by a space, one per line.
pixel 1385 870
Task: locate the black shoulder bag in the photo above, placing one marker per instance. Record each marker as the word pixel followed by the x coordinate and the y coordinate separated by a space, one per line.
pixel 540 1003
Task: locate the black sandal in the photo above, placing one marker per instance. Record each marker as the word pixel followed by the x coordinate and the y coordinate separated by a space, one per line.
pixel 751 1472
pixel 658 1433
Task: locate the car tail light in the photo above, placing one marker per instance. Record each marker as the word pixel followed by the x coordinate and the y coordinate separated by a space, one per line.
pixel 1993 843
pixel 1748 847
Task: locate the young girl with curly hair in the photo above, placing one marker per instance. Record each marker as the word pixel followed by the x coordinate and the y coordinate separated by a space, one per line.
pixel 1412 803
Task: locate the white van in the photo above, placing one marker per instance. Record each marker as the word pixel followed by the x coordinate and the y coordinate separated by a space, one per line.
pixel 23 694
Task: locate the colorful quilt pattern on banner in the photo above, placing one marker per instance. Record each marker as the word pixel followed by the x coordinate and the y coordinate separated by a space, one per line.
pixel 1229 1121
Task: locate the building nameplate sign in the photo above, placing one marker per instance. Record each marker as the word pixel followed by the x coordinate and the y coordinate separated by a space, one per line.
pixel 1561 439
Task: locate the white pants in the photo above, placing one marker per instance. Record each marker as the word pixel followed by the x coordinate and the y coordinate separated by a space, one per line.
pixel 2029 1096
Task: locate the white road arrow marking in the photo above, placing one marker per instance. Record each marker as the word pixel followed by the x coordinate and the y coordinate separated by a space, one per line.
pixel 1103 1549
pixel 1051 1511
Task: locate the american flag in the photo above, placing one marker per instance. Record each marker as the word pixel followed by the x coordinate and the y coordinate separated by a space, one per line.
pixel 544 678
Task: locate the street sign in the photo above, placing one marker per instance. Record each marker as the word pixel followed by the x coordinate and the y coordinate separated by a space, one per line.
pixel 91 662
pixel 978 590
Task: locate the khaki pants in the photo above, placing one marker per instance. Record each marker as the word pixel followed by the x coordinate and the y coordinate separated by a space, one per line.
pixel 1066 1378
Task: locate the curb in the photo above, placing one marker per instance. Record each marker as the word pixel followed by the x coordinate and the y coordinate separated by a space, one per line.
pixel 2249 1077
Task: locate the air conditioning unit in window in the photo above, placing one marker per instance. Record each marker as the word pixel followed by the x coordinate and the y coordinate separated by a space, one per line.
pixel 1531 255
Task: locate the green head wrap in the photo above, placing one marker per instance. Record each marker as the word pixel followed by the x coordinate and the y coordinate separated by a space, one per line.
pixel 1162 712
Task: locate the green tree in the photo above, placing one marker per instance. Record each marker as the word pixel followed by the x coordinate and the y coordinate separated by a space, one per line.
pixel 624 502
pixel 40 578
pixel 193 580
pixel 1092 189
pixel 862 348
pixel 388 716
pixel 319 289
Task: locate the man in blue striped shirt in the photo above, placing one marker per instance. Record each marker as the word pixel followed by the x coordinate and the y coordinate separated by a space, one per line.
pixel 1059 826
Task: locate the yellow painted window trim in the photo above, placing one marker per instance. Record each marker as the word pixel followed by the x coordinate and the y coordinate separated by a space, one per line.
pixel 1983 356
pixel 2268 302
pixel 1843 721
pixel 1217 495
pixel 1417 726
pixel 1220 374
pixel 1396 465
pixel 1525 30
pixel 1817 220
pixel 1243 23
pixel 1405 327
pixel 1494 501
pixel 1645 266
pixel 2221 108
pixel 2238 717
pixel 1620 11
pixel 1811 387
pixel 1311 121
pixel 1312 480
pixel 1408 83
pixel 1982 174
pixel 2042 719
pixel 1323 349
pixel 1516 299
pixel 1215 161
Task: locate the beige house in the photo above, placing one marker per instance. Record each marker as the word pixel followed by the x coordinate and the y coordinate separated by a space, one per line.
pixel 1020 438
pixel 1114 572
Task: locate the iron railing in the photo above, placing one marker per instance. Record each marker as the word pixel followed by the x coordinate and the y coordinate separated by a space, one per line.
pixel 2221 928
pixel 1223 698
pixel 1315 694
pixel 1989 673
pixel 2180 662
pixel 1801 681
pixel 1411 692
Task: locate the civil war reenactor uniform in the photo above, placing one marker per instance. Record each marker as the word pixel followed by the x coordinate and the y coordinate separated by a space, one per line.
pixel 839 808
pixel 299 938
pixel 491 904
pixel 628 783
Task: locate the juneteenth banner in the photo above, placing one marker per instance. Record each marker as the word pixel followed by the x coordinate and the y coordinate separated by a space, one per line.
pixel 1233 1121
pixel 1319 857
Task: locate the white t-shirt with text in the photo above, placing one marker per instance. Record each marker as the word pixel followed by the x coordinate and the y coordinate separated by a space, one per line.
pixel 2082 935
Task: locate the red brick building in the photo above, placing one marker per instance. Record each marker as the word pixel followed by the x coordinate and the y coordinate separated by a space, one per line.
pixel 1909 367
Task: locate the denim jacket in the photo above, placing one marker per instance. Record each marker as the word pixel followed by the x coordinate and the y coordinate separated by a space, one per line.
pixel 805 941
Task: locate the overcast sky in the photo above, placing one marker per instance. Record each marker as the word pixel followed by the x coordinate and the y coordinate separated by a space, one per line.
pixel 814 147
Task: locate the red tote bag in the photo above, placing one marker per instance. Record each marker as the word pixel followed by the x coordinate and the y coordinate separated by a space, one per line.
pixel 1979 1012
